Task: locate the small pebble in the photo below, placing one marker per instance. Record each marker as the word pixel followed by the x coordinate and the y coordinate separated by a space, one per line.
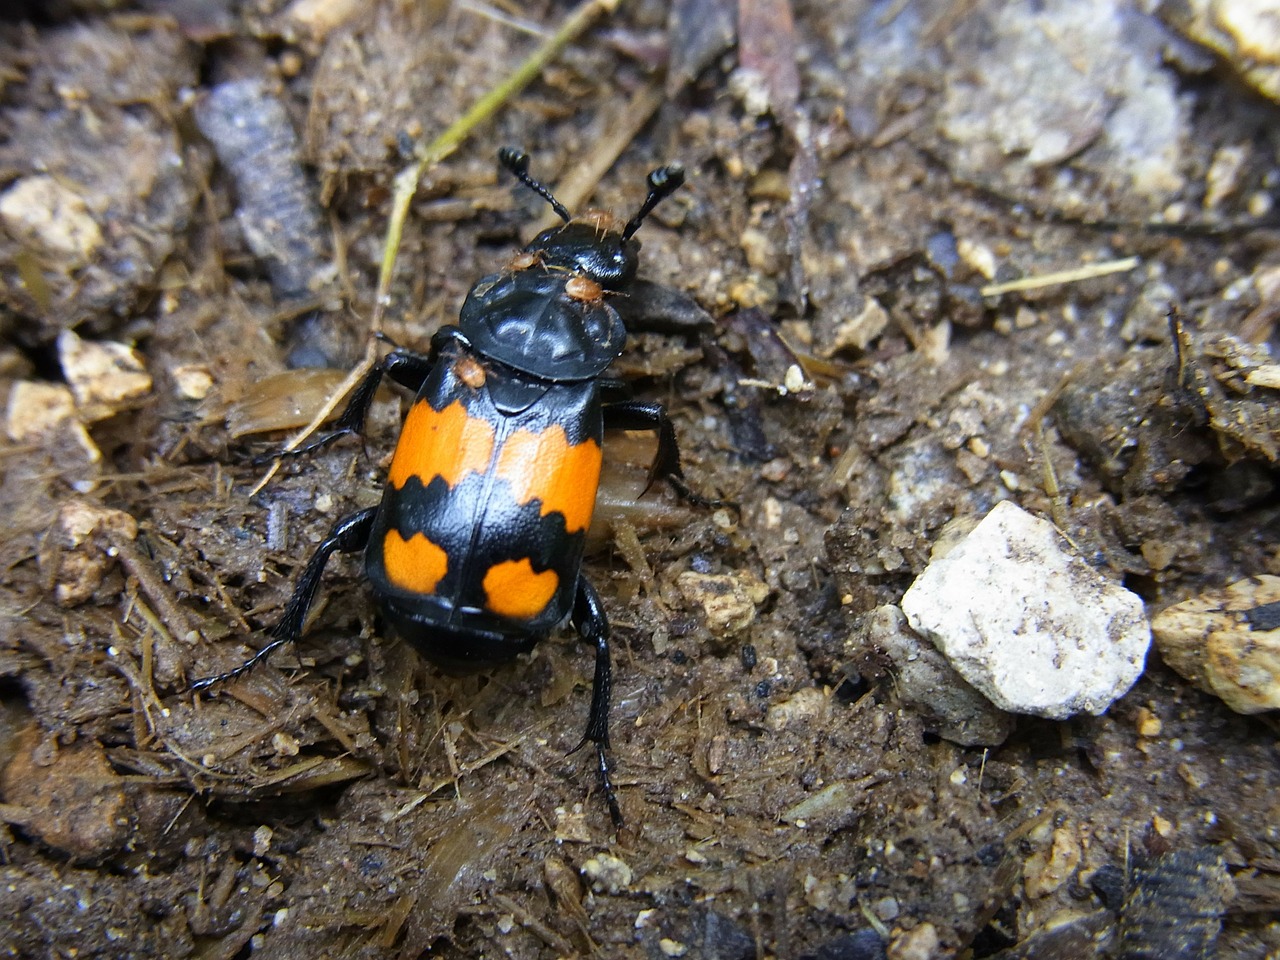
pixel 36 409
pixel 607 873
pixel 103 375
pixel 1149 724
pixel 193 381
pixel 51 217
pixel 728 601
pixel 1047 870
pixel 1227 642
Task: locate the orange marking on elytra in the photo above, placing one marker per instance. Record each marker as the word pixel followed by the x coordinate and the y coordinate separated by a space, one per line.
pixel 447 443
pixel 512 589
pixel 543 466
pixel 416 564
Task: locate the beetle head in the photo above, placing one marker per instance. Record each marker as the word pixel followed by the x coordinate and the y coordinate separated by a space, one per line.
pixel 595 243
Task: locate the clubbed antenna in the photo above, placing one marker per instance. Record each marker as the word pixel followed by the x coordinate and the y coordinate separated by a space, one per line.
pixel 662 183
pixel 517 161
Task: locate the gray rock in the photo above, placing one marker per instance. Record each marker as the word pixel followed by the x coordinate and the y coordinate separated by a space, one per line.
pixel 930 686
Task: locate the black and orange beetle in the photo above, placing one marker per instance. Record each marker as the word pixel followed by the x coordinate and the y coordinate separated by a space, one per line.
pixel 475 552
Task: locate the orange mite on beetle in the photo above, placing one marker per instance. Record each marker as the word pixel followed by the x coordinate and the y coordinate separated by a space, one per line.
pixel 474 554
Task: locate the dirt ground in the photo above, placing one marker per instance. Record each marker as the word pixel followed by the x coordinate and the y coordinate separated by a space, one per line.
pixel 839 361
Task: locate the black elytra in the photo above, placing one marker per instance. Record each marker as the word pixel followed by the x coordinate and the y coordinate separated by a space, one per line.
pixel 475 552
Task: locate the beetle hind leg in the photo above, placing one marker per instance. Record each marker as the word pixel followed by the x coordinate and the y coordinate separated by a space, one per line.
pixel 592 625
pixel 348 535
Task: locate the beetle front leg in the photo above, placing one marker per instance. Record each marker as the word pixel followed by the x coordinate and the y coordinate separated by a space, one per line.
pixel 348 535
pixel 405 367
pixel 592 625
pixel 638 415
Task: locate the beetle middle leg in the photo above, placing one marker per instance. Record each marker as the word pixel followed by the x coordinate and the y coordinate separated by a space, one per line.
pixel 348 535
pixel 639 415
pixel 592 625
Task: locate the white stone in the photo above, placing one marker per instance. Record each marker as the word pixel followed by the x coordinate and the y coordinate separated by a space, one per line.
pixel 41 211
pixel 103 375
pixel 37 408
pixel 1027 622
pixel 607 872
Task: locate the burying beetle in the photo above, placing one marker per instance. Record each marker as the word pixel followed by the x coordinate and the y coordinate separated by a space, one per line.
pixel 475 552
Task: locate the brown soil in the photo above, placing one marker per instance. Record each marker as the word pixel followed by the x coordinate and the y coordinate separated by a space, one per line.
pixel 347 799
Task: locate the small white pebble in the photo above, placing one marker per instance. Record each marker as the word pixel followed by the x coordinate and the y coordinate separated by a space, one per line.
pixel 607 873
pixel 193 381
pixel 794 380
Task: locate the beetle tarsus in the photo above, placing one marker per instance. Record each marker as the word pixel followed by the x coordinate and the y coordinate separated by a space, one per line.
pixel 606 784
pixel 312 447
pixel 205 683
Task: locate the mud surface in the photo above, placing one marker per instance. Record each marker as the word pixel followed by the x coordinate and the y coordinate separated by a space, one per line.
pixel 860 175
